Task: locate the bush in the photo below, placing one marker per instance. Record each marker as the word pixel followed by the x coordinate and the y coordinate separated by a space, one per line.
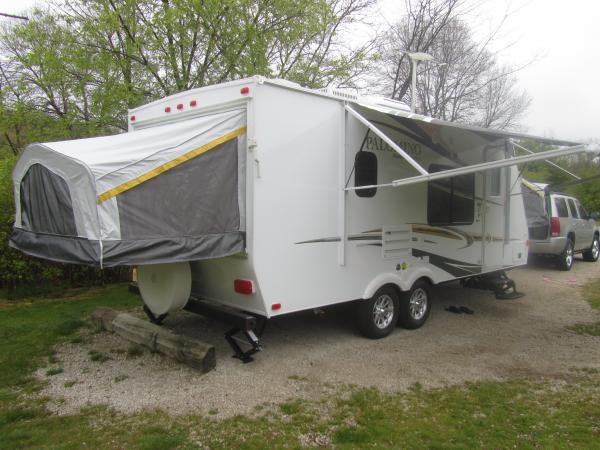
pixel 23 275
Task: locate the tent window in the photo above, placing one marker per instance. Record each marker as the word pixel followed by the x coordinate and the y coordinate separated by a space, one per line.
pixel 365 166
pixel 46 205
pixel 450 201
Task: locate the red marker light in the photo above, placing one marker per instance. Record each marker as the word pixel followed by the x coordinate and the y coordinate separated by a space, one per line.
pixel 276 306
pixel 180 106
pixel 193 103
pixel 243 287
pixel 168 109
pixel 132 118
pixel 245 90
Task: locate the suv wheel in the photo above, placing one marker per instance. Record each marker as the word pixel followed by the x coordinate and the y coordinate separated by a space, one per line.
pixel 565 259
pixel 592 253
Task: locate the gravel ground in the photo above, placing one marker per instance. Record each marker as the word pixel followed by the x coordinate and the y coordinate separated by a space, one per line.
pixel 308 355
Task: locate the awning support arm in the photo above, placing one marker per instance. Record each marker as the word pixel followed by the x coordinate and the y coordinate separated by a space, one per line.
pixel 387 140
pixel 490 165
pixel 547 161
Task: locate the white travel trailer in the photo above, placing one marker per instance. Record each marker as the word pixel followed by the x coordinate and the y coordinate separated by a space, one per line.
pixel 271 198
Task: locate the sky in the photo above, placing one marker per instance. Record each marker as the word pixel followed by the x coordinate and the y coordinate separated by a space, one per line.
pixel 557 41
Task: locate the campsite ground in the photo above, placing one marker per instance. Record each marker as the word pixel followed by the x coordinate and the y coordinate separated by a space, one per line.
pixel 514 373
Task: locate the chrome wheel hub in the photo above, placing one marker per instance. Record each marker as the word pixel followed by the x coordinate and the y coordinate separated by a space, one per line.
pixel 595 248
pixel 569 256
pixel 417 304
pixel 383 311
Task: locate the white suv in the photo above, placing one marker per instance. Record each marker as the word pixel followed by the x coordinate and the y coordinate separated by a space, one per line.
pixel 559 226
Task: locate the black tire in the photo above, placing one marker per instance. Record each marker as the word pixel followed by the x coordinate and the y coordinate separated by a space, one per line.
pixel 415 305
pixel 565 259
pixel 377 316
pixel 592 253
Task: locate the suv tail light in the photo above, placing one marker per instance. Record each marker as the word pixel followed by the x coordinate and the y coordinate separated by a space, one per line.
pixel 554 226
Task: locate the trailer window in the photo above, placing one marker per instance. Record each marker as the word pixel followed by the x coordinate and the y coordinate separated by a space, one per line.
pixel 561 207
pixel 365 173
pixel 495 182
pixel 450 201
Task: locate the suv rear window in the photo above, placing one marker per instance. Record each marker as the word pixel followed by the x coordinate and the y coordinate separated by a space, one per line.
pixel 561 207
pixel 574 212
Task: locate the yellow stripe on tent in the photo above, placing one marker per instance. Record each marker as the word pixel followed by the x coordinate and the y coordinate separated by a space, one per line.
pixel 169 165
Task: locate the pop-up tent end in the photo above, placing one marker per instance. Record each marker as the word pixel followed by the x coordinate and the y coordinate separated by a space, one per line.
pixel 164 194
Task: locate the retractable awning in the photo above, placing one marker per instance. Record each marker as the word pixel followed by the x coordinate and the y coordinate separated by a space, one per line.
pixel 449 139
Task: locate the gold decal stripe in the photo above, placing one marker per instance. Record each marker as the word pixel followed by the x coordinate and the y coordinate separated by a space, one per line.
pixel 169 165
pixel 436 232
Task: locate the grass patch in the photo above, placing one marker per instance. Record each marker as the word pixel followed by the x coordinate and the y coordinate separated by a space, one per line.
pixel 591 293
pixel 120 378
pixel 134 351
pixel 69 384
pixel 156 438
pixel 559 413
pixel 54 371
pixel 30 328
pixel 98 356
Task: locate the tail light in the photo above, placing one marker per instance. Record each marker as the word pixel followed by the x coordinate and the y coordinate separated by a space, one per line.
pixel 554 226
pixel 243 287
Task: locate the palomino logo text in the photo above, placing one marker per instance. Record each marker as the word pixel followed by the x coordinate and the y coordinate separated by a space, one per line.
pixel 375 143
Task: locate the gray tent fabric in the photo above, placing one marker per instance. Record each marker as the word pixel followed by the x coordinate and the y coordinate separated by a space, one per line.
pixel 66 249
pixel 46 203
pixel 171 250
pixel 199 197
pixel 173 192
pixel 535 211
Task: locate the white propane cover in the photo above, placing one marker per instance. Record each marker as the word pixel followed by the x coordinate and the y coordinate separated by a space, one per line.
pixel 165 287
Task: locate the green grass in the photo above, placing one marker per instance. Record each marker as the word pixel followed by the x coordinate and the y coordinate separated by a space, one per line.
pixel 98 356
pixel 30 328
pixel 54 371
pixel 524 413
pixel 591 293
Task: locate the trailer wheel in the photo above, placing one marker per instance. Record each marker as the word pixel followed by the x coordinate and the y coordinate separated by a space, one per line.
pixel 377 316
pixel 565 259
pixel 592 253
pixel 415 305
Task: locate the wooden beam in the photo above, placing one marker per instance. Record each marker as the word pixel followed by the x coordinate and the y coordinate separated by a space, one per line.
pixel 194 353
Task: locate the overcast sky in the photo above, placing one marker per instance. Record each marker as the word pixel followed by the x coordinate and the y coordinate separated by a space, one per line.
pixel 561 38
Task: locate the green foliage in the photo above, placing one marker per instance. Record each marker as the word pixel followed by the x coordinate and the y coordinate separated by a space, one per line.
pixel 74 70
pixel 22 275
pixel 583 166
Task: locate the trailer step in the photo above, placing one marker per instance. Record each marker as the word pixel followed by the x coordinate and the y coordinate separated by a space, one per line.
pixel 504 288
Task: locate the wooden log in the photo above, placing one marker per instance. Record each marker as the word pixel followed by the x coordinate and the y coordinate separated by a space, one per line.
pixel 194 353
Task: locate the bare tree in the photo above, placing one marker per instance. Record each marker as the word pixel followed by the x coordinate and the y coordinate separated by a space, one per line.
pixel 424 20
pixel 466 82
